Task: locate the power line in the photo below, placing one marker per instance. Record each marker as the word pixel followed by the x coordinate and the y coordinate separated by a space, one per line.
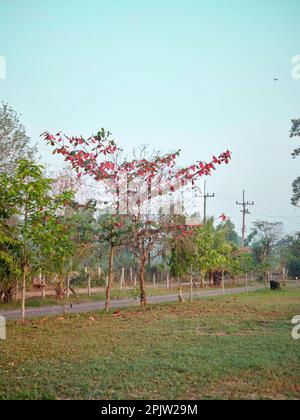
pixel 245 211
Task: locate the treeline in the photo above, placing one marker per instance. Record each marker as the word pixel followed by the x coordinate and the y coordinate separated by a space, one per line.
pixel 42 231
pixel 46 233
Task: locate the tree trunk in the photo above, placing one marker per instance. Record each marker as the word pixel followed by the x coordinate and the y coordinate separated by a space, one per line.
pixel 191 286
pixel 68 286
pixel 211 281
pixel 44 288
pixel 59 290
pixel 110 276
pixel 223 282
pixel 131 275
pixel 180 296
pixel 143 297
pixel 267 278
pixel 17 291
pixel 122 279
pixel 23 293
pixel 89 285
pixel 202 280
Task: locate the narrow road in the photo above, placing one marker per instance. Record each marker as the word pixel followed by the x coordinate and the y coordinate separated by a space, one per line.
pixel 96 306
pixel 102 289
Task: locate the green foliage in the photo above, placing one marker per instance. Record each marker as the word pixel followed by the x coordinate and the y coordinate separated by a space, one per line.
pixel 240 263
pixel 28 197
pixel 212 248
pixel 14 143
pixel 296 192
pixel 30 194
pixel 289 249
pixel 115 229
pixel 209 249
pixel 182 257
pixel 9 264
pixel 55 245
pixel 263 241
pixel 230 233
pixel 246 262
pixel 293 266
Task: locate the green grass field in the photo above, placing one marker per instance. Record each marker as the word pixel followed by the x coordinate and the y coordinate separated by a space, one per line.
pixel 224 347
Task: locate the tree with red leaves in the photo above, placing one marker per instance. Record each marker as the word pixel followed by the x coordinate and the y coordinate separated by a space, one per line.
pixel 99 158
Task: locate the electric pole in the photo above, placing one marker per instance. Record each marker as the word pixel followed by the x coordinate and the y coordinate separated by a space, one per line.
pixel 205 196
pixel 245 211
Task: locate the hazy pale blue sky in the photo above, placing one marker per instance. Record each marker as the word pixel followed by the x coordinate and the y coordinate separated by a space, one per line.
pixel 196 75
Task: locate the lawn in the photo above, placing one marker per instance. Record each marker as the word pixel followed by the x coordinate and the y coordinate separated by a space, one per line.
pixel 223 347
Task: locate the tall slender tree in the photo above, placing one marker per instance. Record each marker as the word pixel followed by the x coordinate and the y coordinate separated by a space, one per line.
pixel 28 196
pixel 14 143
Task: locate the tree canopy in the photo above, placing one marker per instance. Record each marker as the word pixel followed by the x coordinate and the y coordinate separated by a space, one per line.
pixel 14 143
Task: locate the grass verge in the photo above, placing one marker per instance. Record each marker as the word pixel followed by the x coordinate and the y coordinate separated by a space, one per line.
pixel 218 348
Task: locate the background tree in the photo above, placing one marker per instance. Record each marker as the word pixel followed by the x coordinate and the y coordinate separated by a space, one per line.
pixel 295 132
pixel 14 143
pixel 54 239
pixel 263 240
pixel 230 233
pixel 240 263
pixel 212 250
pixel 289 250
pixel 182 259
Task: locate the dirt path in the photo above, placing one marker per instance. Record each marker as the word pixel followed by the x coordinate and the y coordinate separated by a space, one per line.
pixel 96 306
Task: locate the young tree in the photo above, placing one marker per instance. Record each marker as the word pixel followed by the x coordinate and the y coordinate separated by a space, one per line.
pixel 115 230
pixel 182 258
pixel 240 263
pixel 211 250
pixel 29 196
pixel 54 240
pixel 14 143
pixel 145 234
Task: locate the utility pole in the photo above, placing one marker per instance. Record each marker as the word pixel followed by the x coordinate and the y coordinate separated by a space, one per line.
pixel 245 211
pixel 205 196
